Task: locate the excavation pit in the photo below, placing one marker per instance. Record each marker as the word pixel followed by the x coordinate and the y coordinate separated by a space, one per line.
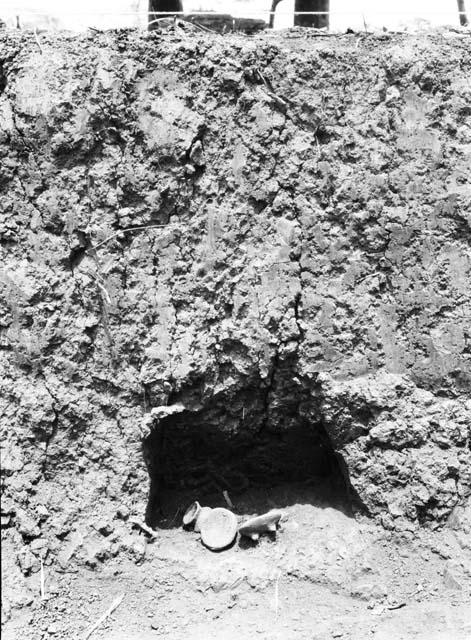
pixel 256 448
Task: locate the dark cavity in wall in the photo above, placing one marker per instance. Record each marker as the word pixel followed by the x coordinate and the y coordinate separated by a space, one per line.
pixel 256 443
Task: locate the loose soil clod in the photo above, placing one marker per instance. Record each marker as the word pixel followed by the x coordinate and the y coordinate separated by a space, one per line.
pixel 142 525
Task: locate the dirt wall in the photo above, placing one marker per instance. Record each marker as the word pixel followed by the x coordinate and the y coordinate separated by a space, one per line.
pixel 276 226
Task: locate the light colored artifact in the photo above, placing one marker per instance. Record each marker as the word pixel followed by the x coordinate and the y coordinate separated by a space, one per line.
pixel 191 514
pixel 219 529
pixel 201 517
pixel 265 523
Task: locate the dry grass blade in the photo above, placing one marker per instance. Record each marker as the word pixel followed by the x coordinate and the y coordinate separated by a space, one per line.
pixel 37 40
pixel 107 613
pixel 276 600
pixel 269 90
pixel 121 232
pixel 202 27
pixel 227 499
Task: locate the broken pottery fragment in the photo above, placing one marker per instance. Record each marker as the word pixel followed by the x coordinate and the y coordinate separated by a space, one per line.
pixel 191 514
pixel 265 523
pixel 201 517
pixel 219 529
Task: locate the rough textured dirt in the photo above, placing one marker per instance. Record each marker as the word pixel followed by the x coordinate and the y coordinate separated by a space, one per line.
pixel 254 237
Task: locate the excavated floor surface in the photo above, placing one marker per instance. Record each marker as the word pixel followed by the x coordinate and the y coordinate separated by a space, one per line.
pixel 261 242
pixel 324 576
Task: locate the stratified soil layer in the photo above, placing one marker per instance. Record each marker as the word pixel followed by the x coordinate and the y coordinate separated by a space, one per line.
pixel 247 236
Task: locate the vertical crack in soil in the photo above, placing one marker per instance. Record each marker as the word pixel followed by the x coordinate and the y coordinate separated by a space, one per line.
pixel 3 79
pixel 267 393
pixel 54 429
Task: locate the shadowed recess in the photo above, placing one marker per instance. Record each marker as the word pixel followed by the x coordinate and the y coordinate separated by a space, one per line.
pixel 256 445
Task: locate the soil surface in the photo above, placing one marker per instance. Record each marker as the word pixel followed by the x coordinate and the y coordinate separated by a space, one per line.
pixel 236 266
pixel 324 575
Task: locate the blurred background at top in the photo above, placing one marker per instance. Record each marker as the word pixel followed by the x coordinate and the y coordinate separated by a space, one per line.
pixel 113 14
